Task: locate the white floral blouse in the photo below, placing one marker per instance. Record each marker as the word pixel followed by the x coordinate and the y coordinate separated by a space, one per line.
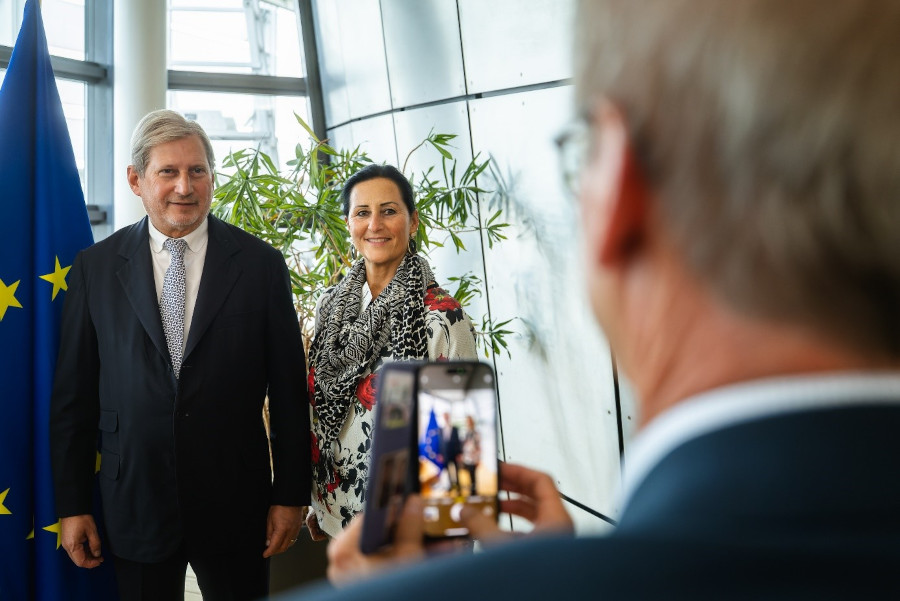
pixel 450 335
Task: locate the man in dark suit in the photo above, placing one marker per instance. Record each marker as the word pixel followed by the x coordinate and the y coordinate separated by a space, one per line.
pixel 175 330
pixel 450 451
pixel 739 183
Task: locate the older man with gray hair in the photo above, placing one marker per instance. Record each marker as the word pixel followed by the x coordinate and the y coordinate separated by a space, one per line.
pixel 175 331
pixel 740 204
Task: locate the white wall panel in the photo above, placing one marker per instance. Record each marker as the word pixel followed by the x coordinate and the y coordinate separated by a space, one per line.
pixel 511 43
pixel 354 69
pixel 557 395
pixel 424 54
pixel 413 125
pixel 368 90
pixel 411 128
pixel 375 136
pixel 331 61
pixel 587 523
pixel 629 408
pixel 341 137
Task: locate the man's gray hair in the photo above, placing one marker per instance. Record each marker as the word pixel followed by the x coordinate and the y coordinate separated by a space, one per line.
pixel 160 127
pixel 769 131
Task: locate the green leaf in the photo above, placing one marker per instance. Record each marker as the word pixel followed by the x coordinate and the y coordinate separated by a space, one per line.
pixel 440 148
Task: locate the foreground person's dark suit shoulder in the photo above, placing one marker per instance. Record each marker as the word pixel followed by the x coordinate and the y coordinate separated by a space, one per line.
pixel 799 506
pixel 185 458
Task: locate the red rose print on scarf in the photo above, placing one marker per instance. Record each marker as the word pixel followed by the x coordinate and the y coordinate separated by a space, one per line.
pixel 365 392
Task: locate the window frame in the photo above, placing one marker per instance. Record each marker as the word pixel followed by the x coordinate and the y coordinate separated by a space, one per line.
pixel 309 86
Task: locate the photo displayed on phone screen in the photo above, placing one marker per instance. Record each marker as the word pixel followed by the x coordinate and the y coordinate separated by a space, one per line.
pixel 457 445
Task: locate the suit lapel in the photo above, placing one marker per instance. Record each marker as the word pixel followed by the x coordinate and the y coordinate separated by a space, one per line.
pixel 136 277
pixel 220 272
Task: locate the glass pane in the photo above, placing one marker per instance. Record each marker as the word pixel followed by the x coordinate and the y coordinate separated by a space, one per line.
pixel 209 41
pixel 73 96
pixel 217 4
pixel 229 37
pixel 63 23
pixel 288 55
pixel 237 121
pixel 10 20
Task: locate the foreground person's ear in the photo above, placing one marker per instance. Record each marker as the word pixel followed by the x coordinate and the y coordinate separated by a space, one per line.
pixel 614 194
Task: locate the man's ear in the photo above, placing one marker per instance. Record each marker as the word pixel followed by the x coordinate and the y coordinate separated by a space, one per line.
pixel 614 190
pixel 133 180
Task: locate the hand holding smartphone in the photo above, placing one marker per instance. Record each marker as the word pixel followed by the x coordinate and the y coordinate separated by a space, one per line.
pixel 435 434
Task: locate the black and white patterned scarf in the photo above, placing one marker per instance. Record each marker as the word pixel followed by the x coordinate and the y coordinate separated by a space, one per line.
pixel 349 344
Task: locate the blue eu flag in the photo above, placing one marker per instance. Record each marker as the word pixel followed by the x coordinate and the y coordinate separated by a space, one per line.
pixel 430 445
pixel 43 225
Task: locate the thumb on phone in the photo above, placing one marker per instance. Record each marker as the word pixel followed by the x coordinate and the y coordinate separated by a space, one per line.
pixel 410 533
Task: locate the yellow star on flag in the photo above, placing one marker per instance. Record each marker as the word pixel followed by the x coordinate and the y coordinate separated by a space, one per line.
pixel 3 509
pixel 54 528
pixel 8 297
pixel 57 278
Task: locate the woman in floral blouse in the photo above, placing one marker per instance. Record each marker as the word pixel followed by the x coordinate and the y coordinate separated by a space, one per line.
pixel 388 307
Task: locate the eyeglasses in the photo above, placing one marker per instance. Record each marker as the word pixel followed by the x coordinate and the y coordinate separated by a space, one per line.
pixel 573 145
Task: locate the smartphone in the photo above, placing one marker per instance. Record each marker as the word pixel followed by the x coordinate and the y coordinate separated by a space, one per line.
pixel 392 460
pixel 435 433
pixel 457 444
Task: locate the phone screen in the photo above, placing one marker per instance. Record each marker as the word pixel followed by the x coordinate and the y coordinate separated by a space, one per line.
pixel 457 444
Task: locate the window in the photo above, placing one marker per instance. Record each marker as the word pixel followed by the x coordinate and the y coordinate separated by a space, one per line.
pixel 236 121
pixel 236 66
pixel 77 76
pixel 72 94
pixel 64 25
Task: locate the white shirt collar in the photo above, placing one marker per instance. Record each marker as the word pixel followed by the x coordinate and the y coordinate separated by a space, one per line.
pixel 730 405
pixel 365 298
pixel 196 240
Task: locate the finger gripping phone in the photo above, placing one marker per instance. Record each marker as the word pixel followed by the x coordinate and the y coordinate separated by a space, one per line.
pixel 435 434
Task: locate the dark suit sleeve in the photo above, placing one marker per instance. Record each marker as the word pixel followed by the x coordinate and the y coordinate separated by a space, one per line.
pixel 75 406
pixel 288 398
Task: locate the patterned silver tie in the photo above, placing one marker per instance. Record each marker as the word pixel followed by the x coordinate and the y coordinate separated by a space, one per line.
pixel 171 302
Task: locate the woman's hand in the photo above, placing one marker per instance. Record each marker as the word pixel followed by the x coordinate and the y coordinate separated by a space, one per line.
pixel 312 523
